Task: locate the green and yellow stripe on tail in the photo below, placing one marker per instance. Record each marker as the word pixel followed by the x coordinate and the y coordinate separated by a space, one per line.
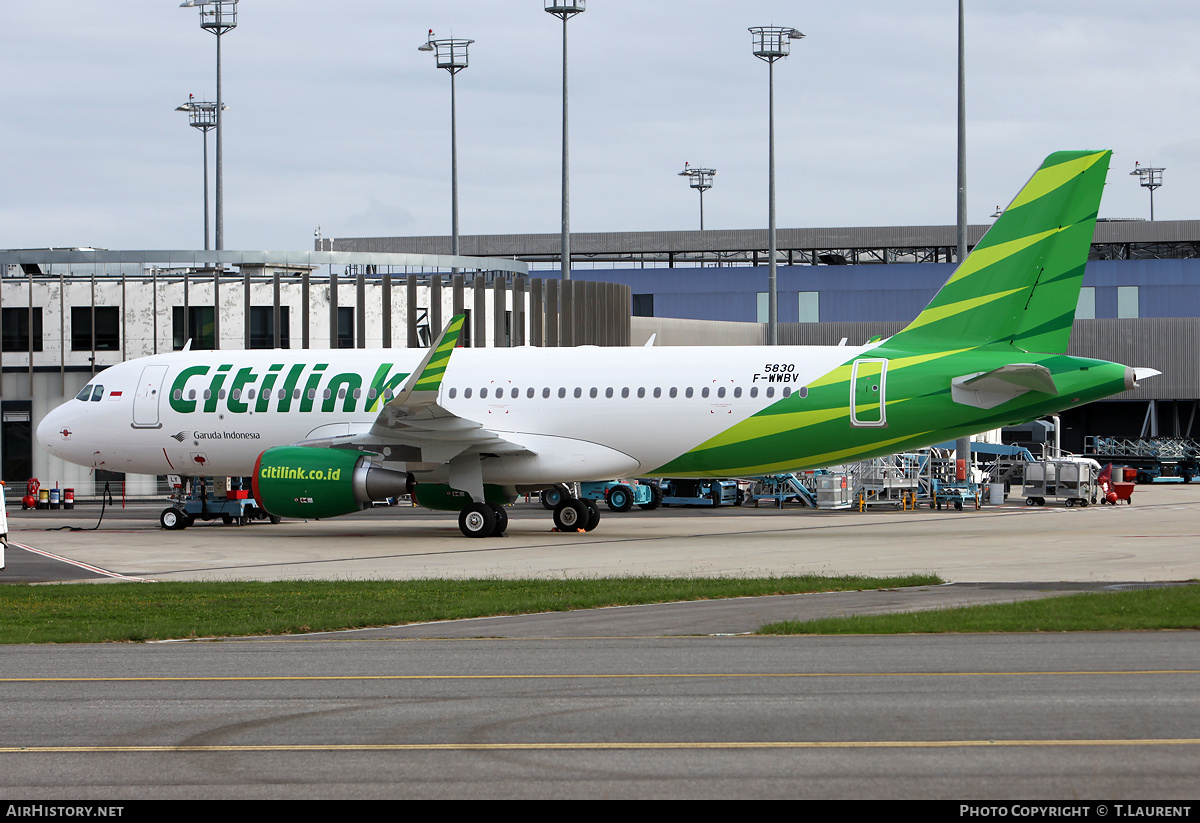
pixel 1020 285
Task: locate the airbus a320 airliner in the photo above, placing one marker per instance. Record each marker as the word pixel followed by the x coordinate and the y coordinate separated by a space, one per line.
pixel 324 433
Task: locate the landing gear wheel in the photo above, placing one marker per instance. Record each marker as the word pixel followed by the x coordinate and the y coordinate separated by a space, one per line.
pixel 620 498
pixel 570 515
pixel 477 520
pixel 501 520
pixel 174 519
pixel 593 518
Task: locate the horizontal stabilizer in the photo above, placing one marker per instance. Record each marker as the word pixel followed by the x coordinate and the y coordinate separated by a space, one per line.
pixel 986 390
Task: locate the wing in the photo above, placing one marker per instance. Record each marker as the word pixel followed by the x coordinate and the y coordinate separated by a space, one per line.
pixel 414 428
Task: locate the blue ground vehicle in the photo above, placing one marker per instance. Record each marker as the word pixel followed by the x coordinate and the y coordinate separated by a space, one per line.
pixel 201 504
pixel 622 495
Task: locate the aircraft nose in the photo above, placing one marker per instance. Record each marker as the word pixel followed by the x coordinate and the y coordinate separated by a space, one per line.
pixel 53 431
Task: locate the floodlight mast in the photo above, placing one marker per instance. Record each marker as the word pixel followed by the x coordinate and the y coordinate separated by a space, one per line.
pixel 770 44
pixel 701 180
pixel 202 116
pixel 218 17
pixel 451 55
pixel 565 10
pixel 1149 178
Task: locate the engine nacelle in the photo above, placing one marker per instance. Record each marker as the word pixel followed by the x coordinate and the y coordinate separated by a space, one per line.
pixel 302 481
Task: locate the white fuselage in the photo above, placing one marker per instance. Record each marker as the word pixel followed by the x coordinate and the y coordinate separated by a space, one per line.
pixel 581 413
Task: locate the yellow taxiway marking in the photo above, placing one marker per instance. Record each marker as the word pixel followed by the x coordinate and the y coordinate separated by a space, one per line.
pixel 629 746
pixel 577 676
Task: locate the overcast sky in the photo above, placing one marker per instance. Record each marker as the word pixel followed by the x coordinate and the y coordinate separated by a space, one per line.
pixel 337 120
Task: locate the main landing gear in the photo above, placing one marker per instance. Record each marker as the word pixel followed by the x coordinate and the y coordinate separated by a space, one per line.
pixel 489 520
pixel 571 514
pixel 483 520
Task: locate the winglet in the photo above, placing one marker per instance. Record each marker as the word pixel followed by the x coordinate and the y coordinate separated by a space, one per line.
pixel 423 384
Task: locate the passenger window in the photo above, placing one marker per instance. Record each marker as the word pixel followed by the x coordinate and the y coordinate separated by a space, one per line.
pixel 608 392
pixel 687 392
pixel 674 392
pixel 658 391
pixel 467 394
pixel 787 391
pixel 453 393
pixel 578 392
pixel 721 391
pixel 737 391
pixel 754 391
pixel 803 392
pixel 529 392
pixel 546 392
pixel 483 392
pixel 562 392
pixel 625 392
pixel 704 392
pixel 641 391
pixel 770 391
pixel 593 392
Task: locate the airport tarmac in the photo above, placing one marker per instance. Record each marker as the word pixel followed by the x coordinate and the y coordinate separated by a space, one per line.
pixel 666 700
pixel 1157 538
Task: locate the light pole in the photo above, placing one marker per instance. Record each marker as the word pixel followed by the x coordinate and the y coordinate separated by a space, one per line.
pixel 770 44
pixel 451 55
pixel 202 116
pixel 218 17
pixel 701 180
pixel 565 9
pixel 1151 178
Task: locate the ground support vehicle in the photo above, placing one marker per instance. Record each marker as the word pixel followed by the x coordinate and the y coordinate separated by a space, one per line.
pixel 954 495
pixel 1073 481
pixel 1154 458
pixel 779 489
pixel 681 492
pixel 236 507
pixel 622 495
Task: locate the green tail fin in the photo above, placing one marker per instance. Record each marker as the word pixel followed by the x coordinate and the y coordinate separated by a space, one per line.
pixel 1020 285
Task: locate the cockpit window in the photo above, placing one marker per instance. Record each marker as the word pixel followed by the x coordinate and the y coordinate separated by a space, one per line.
pixel 97 393
pixel 85 393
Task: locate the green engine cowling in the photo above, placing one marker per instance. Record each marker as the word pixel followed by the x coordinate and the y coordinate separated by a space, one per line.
pixel 302 481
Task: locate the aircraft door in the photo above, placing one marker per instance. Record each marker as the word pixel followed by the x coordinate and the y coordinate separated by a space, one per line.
pixel 145 399
pixel 868 393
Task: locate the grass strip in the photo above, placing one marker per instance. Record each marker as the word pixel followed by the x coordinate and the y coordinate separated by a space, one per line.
pixel 1174 607
pixel 91 613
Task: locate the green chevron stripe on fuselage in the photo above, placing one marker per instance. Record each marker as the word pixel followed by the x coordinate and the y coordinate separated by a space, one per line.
pixel 815 431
